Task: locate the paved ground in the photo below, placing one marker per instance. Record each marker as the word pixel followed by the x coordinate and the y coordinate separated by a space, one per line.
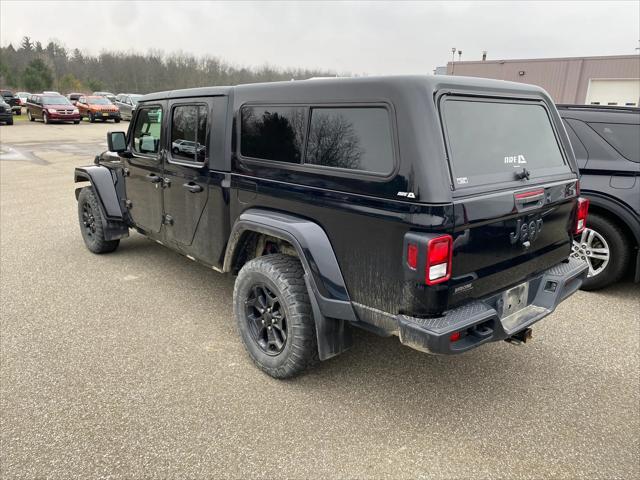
pixel 127 365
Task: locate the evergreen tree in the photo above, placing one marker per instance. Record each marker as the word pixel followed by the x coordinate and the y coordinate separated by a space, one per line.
pixel 37 76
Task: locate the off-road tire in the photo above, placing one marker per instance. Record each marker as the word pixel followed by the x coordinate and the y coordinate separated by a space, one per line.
pixel 619 252
pixel 284 276
pixel 94 240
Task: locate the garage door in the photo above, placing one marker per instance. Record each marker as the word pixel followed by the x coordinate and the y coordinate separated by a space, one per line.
pixel 614 92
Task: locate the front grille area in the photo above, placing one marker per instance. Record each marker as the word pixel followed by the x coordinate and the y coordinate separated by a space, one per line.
pixel 65 112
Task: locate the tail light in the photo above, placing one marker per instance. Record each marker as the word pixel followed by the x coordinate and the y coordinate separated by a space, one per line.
pixel 581 215
pixel 438 267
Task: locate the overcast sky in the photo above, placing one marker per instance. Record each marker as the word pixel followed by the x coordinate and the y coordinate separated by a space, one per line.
pixel 356 37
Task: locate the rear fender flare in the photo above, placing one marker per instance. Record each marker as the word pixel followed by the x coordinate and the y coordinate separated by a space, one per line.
pixel 327 290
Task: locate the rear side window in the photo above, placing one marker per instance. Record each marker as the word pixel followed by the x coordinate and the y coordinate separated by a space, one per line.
pixel 351 138
pixel 272 133
pixel 490 141
pixel 625 138
pixel 576 143
pixel 146 132
pixel 189 133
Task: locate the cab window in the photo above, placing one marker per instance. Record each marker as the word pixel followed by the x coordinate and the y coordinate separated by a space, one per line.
pixel 189 133
pixel 146 132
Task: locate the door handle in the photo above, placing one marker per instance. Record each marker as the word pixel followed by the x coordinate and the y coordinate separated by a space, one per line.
pixel 153 178
pixel 192 187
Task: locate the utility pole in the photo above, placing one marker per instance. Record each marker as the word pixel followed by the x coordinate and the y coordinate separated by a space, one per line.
pixel 453 59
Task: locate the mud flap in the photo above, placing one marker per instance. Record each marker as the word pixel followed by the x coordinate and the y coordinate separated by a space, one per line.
pixel 333 335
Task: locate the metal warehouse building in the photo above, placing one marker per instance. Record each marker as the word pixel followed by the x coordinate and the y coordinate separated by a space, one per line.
pixel 613 80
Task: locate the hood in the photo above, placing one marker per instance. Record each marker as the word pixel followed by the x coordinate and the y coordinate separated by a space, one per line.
pixel 58 105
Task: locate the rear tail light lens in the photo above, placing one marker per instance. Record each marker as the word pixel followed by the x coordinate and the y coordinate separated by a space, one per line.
pixel 581 215
pixel 438 260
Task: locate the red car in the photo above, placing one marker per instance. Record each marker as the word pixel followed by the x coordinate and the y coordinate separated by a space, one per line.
pixel 51 108
pixel 95 107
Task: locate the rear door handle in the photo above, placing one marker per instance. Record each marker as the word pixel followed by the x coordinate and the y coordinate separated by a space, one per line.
pixel 192 187
pixel 153 178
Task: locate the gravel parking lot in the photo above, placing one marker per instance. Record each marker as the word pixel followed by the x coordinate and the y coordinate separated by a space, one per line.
pixel 128 365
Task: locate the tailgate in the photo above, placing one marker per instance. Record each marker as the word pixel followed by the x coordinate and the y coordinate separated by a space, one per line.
pixel 514 192
pixel 503 238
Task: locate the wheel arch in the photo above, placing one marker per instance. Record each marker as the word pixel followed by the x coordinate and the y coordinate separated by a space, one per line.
pixel 326 287
pixel 114 221
pixel 623 216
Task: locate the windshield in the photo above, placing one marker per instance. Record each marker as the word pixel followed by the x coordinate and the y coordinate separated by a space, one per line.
pixel 492 141
pixel 55 100
pixel 135 98
pixel 98 101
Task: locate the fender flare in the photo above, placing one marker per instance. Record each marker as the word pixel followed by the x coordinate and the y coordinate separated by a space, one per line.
pixel 102 182
pixel 327 290
pixel 113 219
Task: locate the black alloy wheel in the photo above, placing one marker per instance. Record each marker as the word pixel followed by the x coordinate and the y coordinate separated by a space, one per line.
pixel 88 220
pixel 266 319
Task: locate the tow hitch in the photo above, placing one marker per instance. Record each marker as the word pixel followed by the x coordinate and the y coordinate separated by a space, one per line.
pixel 521 337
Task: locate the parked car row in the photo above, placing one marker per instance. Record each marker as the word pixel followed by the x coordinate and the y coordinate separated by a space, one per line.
pixel 51 106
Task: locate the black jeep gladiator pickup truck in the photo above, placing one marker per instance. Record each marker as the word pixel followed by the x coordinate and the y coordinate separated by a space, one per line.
pixel 438 209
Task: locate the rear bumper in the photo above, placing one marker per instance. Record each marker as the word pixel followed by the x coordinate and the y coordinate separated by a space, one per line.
pixel 481 320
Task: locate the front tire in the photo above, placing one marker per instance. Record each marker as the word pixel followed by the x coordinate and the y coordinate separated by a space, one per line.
pixel 604 247
pixel 30 117
pixel 273 315
pixel 91 227
pixel 45 118
pixel 91 117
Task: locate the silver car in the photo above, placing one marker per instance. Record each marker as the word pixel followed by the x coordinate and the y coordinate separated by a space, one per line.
pixel 127 102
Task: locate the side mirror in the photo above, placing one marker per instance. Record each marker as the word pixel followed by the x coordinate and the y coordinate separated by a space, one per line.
pixel 117 142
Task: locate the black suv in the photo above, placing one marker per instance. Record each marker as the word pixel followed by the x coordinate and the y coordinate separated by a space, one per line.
pixel 437 209
pixel 606 142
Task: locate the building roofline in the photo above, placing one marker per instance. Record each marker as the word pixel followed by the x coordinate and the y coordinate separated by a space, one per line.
pixel 550 59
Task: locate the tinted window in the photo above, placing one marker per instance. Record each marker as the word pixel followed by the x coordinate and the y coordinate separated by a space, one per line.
pixel 189 133
pixel 490 141
pixel 578 147
pixel 146 133
pixel 624 138
pixel 353 138
pixel 272 133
